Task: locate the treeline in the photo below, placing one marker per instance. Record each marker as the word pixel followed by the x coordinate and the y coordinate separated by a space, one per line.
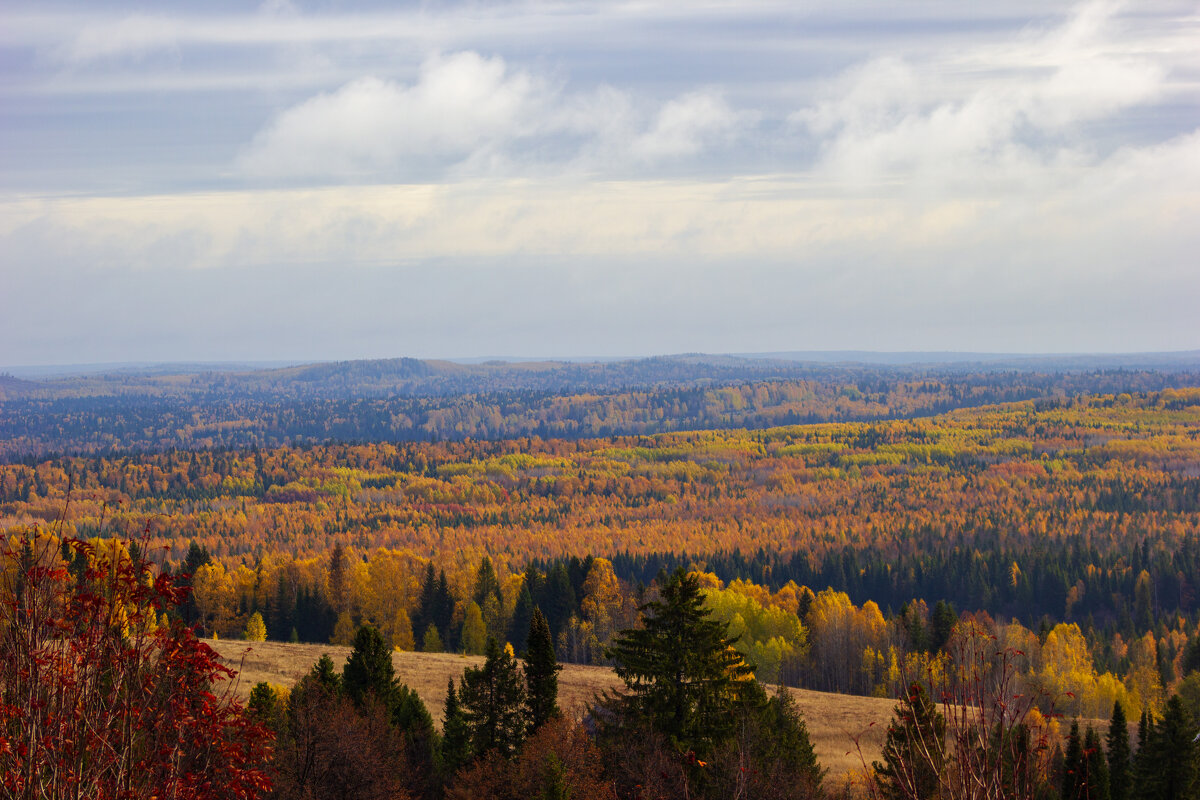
pixel 791 635
pixel 323 403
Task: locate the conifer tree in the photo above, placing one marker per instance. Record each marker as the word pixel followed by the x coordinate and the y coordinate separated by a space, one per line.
pixel 1170 761
pixel 456 735
pixel 493 702
pixel 1073 765
pixel 1094 773
pixel 1119 766
pixel 541 673
pixel 915 750
pixel 682 674
pixel 518 626
pixel 369 669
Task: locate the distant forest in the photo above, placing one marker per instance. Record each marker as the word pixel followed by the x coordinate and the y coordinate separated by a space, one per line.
pixel 412 400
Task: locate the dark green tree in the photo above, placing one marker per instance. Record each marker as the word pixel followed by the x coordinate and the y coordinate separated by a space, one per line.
pixel 369 669
pixel 456 735
pixel 541 673
pixel 1119 766
pixel 1170 761
pixel 914 752
pixel 324 675
pixel 682 675
pixel 1073 764
pixel 518 625
pixel 1094 772
pixel 486 583
pixel 422 745
pixel 493 702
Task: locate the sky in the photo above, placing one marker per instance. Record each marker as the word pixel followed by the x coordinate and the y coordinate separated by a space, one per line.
pixel 337 180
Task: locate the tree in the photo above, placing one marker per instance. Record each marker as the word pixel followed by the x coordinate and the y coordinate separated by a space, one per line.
pixel 1094 769
pixel 100 700
pixel 914 753
pixel 256 629
pixel 456 734
pixel 682 675
pixel 1073 765
pixel 1119 775
pixel 493 702
pixel 474 633
pixel 1170 759
pixel 541 673
pixel 369 669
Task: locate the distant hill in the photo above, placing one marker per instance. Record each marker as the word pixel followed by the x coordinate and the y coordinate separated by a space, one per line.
pixel 202 406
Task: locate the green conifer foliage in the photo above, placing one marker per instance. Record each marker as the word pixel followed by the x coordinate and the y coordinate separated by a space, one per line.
pixel 915 750
pixel 369 669
pixel 1170 760
pixel 541 673
pixel 1073 764
pixel 493 702
pixel 1119 767
pixel 456 734
pixel 682 674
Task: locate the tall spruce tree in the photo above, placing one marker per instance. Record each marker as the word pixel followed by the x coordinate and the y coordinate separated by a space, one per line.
pixel 541 673
pixel 682 675
pixel 914 753
pixel 1095 768
pixel 493 702
pixel 1072 778
pixel 1119 766
pixel 456 734
pixel 369 669
pixel 1170 761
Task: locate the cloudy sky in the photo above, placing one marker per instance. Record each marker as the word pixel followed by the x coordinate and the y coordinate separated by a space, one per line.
pixel 209 181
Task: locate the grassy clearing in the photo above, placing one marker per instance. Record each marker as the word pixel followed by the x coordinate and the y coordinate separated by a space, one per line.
pixel 833 719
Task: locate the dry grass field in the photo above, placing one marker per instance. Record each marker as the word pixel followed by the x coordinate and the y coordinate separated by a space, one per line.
pixel 833 719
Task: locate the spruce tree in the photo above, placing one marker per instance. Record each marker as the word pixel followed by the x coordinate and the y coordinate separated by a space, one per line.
pixel 1170 761
pixel 1073 765
pixel 1119 766
pixel 456 734
pixel 682 674
pixel 1095 768
pixel 493 702
pixel 915 750
pixel 541 673
pixel 518 626
pixel 369 669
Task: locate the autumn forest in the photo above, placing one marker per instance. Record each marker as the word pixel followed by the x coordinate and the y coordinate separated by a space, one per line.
pixel 850 528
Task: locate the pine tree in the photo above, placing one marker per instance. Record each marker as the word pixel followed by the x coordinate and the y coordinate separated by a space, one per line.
pixel 541 673
pixel 1119 766
pixel 493 702
pixel 682 674
pixel 915 750
pixel 456 735
pixel 369 669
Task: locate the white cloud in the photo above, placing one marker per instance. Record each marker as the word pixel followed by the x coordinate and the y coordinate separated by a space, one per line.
pixel 685 125
pixel 893 118
pixel 478 116
pixel 459 104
